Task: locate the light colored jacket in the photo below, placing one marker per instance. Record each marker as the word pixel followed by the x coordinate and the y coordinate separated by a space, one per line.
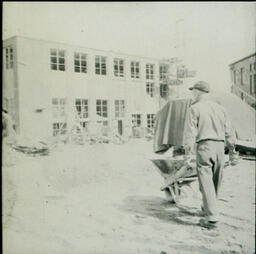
pixel 208 120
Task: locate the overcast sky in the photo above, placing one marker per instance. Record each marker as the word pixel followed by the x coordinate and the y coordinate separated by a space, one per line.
pixel 208 36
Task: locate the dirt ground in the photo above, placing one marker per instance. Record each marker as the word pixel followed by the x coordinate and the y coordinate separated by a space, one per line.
pixel 106 198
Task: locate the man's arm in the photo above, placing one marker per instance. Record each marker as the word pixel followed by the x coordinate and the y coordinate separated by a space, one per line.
pixel 230 135
pixel 190 131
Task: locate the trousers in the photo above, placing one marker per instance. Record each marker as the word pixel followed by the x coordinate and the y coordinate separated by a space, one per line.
pixel 210 164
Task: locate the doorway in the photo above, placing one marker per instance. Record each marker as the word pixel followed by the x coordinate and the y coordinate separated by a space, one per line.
pixel 120 127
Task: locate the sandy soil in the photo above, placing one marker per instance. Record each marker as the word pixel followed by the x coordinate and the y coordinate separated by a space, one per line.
pixel 106 198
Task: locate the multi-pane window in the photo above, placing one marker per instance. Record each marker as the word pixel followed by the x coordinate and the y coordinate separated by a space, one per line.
pixel 135 70
pixel 149 71
pixel 251 86
pixel 254 79
pixel 136 120
pixel 100 65
pixel 59 105
pixel 59 128
pixel 119 67
pixel 163 71
pixel 8 54
pixel 119 108
pixel 242 75
pixel 82 108
pixel 150 89
pixel 150 120
pixel 102 108
pixel 163 90
pixel 234 76
pixel 57 60
pixel 80 62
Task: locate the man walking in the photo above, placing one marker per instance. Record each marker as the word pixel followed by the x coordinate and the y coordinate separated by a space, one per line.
pixel 209 127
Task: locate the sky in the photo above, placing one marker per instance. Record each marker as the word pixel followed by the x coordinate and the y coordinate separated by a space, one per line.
pixel 208 36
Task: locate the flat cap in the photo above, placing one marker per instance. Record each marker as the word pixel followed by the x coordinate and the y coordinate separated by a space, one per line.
pixel 202 86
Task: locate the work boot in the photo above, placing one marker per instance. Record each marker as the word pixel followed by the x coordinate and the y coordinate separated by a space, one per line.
pixel 208 224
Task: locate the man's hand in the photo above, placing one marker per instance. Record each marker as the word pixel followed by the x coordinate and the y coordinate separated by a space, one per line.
pixel 188 150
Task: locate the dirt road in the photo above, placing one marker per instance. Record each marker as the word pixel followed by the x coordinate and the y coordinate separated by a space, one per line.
pixel 106 198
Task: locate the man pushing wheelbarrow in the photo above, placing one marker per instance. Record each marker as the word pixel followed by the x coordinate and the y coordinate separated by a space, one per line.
pixel 205 129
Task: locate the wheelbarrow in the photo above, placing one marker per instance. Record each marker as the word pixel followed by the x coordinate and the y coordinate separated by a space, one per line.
pixel 176 172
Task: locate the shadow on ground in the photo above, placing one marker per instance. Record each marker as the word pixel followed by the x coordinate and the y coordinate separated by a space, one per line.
pixel 160 208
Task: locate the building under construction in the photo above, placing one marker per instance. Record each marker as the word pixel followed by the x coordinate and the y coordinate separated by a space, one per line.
pixel 49 88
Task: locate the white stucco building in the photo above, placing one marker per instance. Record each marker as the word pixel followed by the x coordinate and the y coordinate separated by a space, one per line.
pixel 48 87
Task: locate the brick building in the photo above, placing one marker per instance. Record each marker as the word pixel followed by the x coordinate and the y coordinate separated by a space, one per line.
pixel 243 78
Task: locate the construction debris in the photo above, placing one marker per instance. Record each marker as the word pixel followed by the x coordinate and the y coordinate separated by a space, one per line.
pixel 33 151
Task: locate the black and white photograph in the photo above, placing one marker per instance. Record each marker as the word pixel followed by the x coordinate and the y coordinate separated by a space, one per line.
pixel 128 127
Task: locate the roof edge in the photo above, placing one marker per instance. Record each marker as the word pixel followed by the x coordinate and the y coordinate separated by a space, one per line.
pixel 253 54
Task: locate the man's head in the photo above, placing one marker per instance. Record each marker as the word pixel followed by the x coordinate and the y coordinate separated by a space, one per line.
pixel 200 89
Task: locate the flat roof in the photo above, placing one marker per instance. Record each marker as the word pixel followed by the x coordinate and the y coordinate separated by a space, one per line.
pixel 79 46
pixel 240 60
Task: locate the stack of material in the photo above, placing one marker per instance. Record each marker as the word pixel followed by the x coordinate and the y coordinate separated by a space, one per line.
pixel 33 151
pixel 170 124
pixel 31 147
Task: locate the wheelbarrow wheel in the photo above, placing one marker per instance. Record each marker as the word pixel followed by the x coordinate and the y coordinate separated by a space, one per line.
pixel 172 193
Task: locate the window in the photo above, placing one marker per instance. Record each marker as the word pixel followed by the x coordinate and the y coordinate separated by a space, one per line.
pixel 163 90
pixel 57 60
pixel 163 71
pixel 119 108
pixel 8 51
pixel 102 108
pixel 80 62
pixel 251 67
pixel 136 120
pixel 149 71
pixel 254 76
pixel 242 76
pixel 251 85
pixel 255 66
pixel 119 67
pixel 234 76
pixel 59 128
pixel 150 121
pixel 135 70
pixel 100 65
pixel 59 105
pixel 150 89
pixel 242 95
pixel 82 108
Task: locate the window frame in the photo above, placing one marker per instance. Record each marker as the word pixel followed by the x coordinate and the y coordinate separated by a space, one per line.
pixel 101 109
pixel 242 71
pixel 117 71
pixel 135 69
pixel 83 113
pixel 136 120
pixel 60 130
pixel 150 71
pixel 60 59
pixel 59 108
pixel 165 90
pixel 151 121
pixel 100 65
pixel 8 57
pixel 150 89
pixel 120 109
pixel 79 60
pixel 163 71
